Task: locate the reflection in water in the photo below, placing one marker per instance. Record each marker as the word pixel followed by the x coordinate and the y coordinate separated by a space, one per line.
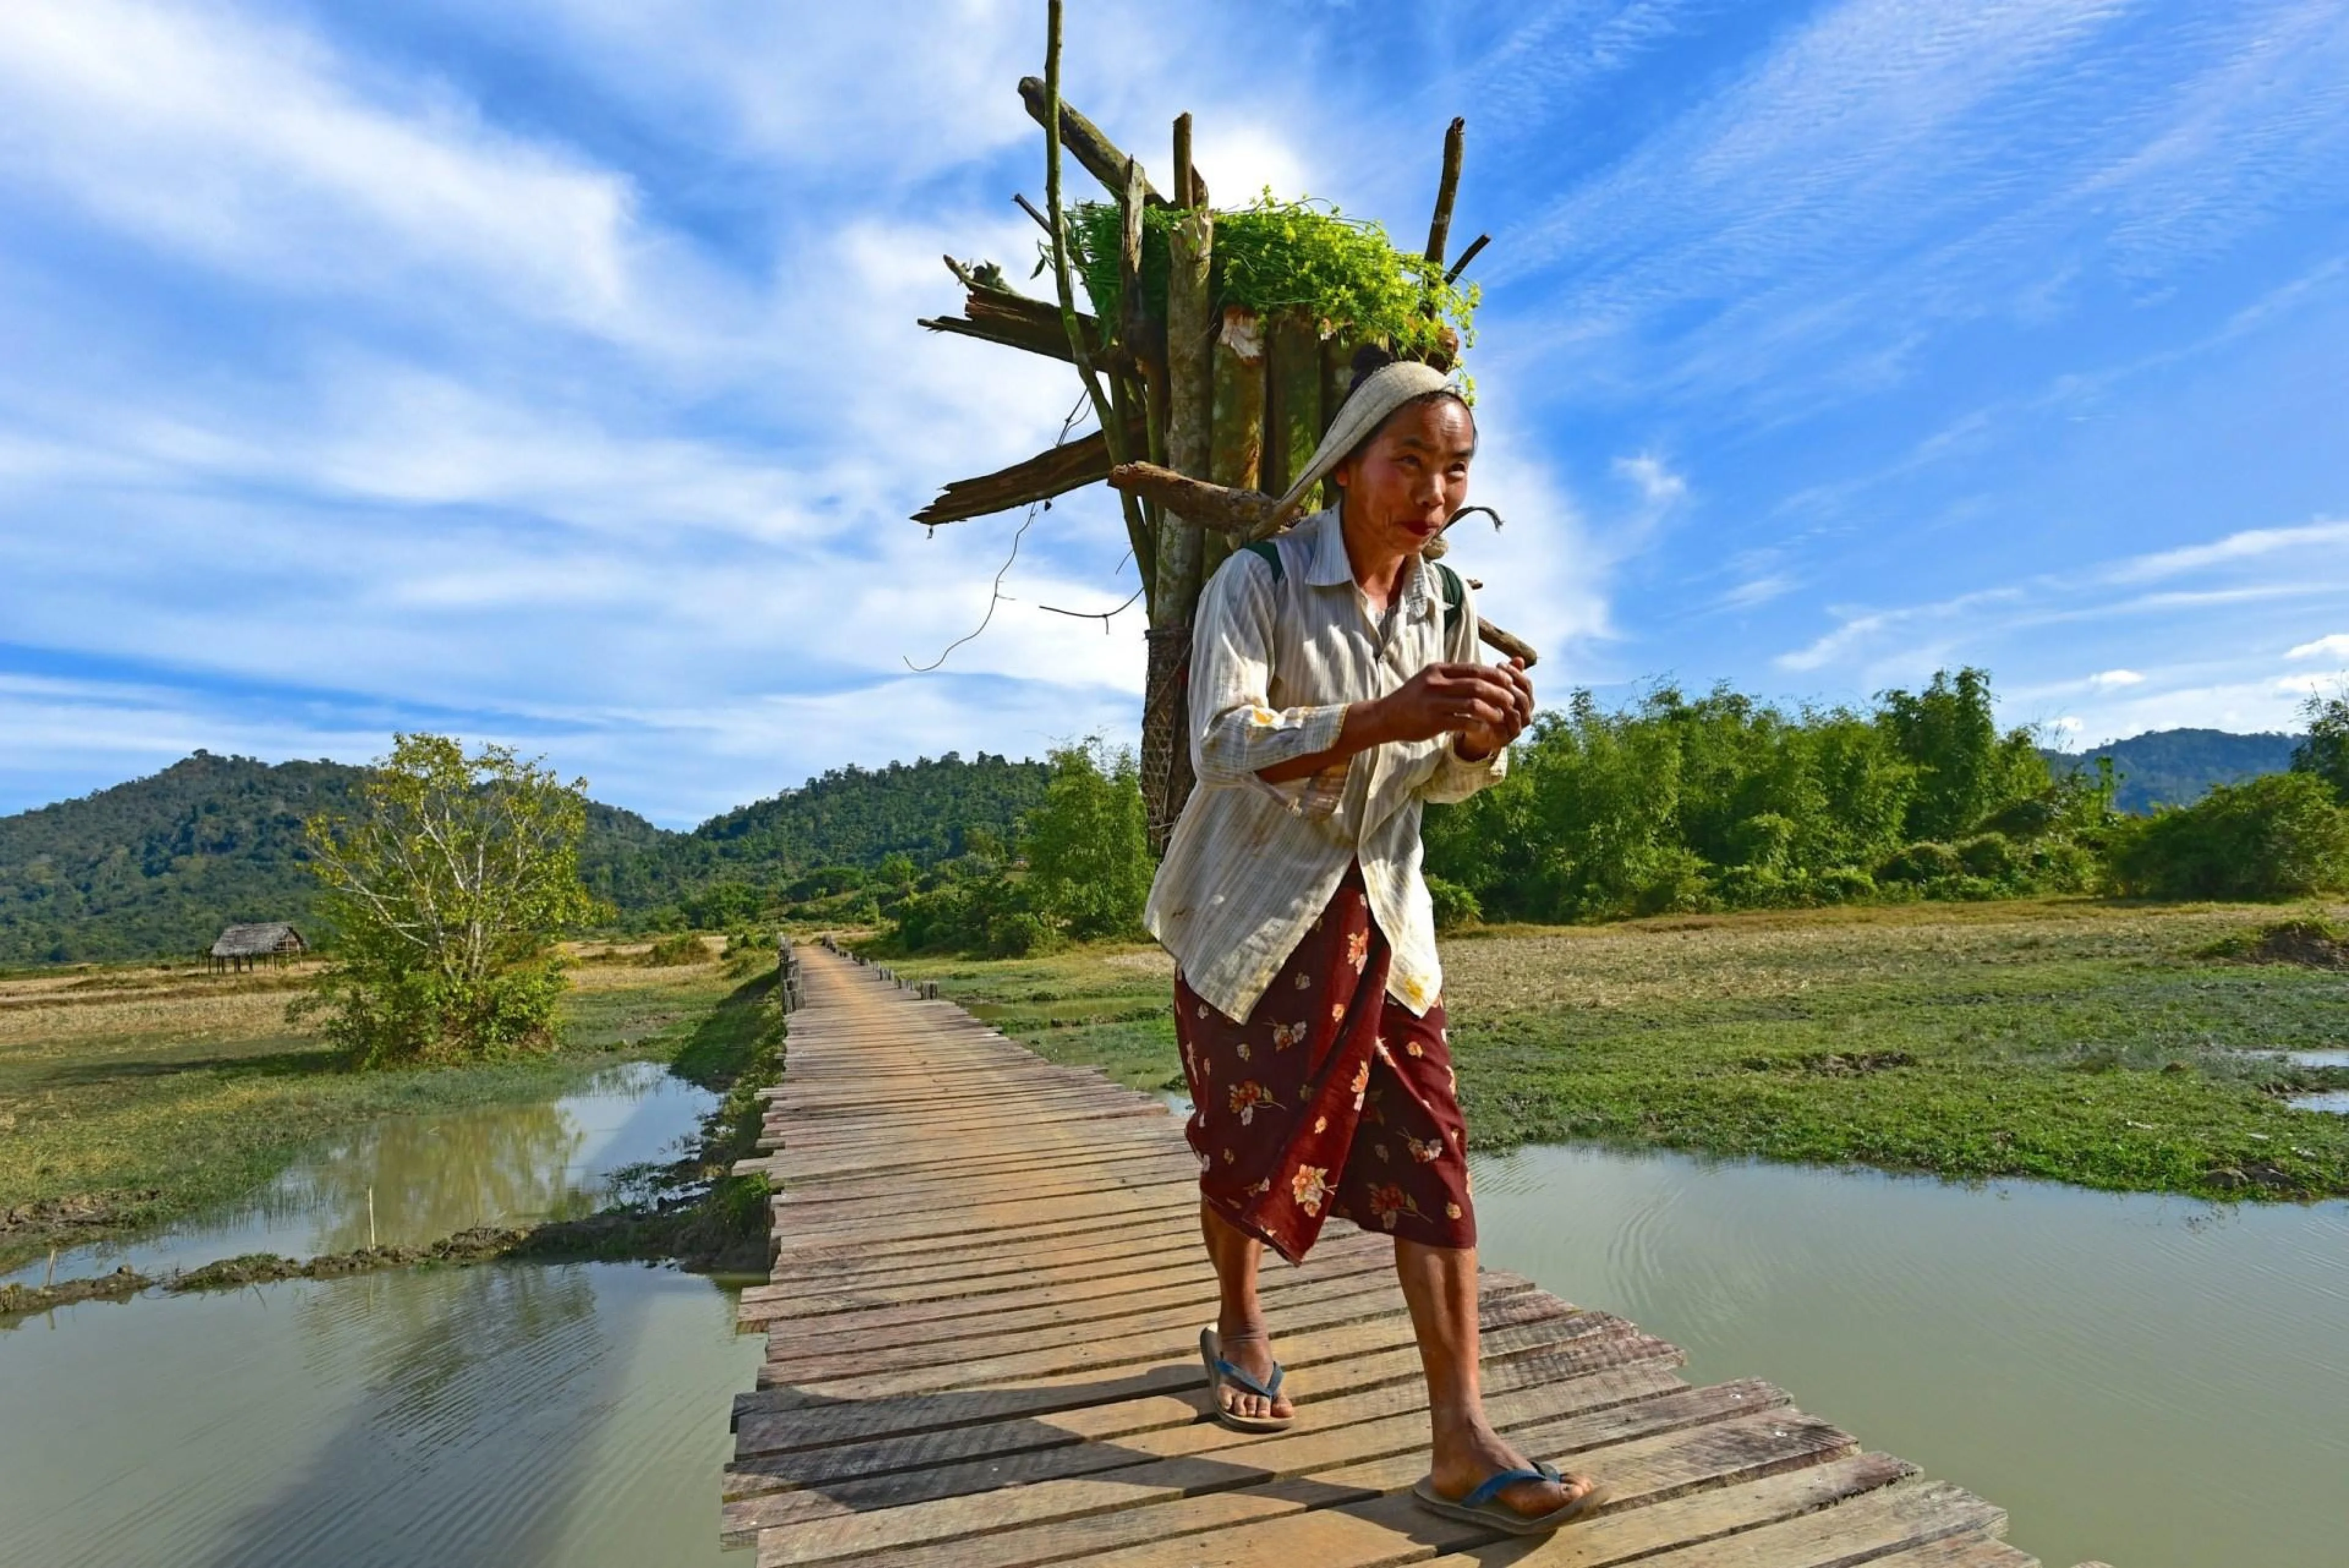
pixel 431 1176
pixel 2151 1381
pixel 506 1414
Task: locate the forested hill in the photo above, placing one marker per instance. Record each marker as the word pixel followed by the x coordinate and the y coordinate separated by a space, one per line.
pixel 2177 767
pixel 856 816
pixel 159 865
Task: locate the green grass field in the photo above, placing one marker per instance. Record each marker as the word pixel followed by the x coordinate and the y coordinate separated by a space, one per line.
pixel 129 1096
pixel 2068 1039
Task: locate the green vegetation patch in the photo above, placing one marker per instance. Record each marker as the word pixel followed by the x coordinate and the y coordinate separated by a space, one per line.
pixel 2067 1040
pixel 1341 273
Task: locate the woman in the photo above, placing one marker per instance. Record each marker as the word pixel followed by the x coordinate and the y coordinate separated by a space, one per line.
pixel 1335 687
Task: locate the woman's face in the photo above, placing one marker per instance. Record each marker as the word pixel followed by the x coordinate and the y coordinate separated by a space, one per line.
pixel 1406 484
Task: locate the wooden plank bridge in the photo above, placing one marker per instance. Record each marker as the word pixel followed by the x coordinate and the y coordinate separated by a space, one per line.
pixel 982 1332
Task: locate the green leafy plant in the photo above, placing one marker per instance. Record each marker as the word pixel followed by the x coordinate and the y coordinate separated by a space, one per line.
pixel 447 885
pixel 1343 275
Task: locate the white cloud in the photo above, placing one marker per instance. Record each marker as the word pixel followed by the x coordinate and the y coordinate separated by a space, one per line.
pixel 255 146
pixel 2334 645
pixel 1658 485
pixel 2250 543
pixel 2113 679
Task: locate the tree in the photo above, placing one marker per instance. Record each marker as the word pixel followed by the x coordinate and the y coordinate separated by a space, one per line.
pixel 1088 855
pixel 1966 769
pixel 2326 751
pixel 2276 836
pixel 446 888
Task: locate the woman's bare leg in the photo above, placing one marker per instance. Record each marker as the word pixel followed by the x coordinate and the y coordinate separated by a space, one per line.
pixel 1440 1284
pixel 1239 1319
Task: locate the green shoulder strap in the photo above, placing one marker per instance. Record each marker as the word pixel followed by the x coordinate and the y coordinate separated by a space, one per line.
pixel 1455 595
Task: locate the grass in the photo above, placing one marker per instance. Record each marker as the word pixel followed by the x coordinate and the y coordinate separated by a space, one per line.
pixel 2074 1040
pixel 130 1096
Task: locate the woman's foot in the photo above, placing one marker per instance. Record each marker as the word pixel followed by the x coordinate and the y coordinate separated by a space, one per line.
pixel 1474 1455
pixel 1248 1347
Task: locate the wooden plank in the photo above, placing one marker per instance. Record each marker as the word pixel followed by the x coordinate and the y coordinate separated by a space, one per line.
pixel 1378 1423
pixel 1156 1525
pixel 981 1329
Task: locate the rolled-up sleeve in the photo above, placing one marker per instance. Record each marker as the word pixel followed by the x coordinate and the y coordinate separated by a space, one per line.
pixel 1236 731
pixel 1455 778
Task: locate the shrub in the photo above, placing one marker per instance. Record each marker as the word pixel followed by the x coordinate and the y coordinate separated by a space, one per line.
pixel 1990 855
pixel 1454 906
pixel 685 947
pixel 1920 864
pixel 2277 837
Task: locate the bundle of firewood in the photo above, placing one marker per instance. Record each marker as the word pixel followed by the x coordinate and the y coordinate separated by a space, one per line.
pixel 1204 409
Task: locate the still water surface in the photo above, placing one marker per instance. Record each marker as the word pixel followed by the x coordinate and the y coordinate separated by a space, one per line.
pixel 2152 1381
pixel 508 1414
pixel 2149 1380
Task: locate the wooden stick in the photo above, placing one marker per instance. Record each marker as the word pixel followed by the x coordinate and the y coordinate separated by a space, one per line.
pixel 1053 472
pixel 1016 321
pixel 1235 442
pixel 1113 427
pixel 1029 207
pixel 1190 404
pixel 1101 157
pixel 1292 413
pixel 1492 636
pixel 1478 244
pixel 1439 232
pixel 1197 501
pixel 1182 156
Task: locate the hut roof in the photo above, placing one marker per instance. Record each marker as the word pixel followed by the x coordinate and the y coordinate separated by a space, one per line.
pixel 257 941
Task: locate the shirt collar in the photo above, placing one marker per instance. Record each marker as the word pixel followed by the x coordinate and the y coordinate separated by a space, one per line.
pixel 1326 565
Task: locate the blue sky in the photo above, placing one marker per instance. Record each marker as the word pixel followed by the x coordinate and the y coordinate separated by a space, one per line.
pixel 548 373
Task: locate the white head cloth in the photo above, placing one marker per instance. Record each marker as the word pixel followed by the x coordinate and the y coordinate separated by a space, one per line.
pixel 1386 389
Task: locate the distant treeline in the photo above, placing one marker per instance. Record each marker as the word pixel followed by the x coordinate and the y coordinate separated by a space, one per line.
pixel 158 866
pixel 1715 801
pixel 1721 802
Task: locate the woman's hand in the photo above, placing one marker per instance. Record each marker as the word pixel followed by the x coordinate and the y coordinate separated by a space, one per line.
pixel 1474 700
pixel 1481 739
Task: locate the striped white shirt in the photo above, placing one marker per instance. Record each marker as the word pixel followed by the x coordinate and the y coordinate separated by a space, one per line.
pixel 1273 667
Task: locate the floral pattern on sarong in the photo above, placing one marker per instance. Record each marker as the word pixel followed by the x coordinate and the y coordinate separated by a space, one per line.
pixel 1298 1119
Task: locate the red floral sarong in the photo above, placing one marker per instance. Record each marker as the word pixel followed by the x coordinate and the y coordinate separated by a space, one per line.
pixel 1331 1100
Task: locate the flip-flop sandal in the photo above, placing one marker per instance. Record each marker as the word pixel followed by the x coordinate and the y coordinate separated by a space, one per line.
pixel 1220 1372
pixel 1483 1505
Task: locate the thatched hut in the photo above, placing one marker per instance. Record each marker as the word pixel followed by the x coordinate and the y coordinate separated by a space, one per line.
pixel 242 947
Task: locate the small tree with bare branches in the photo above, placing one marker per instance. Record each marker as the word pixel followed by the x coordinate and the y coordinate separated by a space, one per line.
pixel 447 890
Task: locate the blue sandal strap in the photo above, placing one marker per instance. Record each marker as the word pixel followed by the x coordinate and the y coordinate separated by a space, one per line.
pixel 1493 1485
pixel 1268 1390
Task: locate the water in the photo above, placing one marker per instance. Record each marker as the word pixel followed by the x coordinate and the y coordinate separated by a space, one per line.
pixel 431 1176
pixel 2149 1380
pixel 2333 1100
pixel 501 1414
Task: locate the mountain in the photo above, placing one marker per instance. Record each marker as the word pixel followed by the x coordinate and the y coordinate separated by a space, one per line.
pixel 161 863
pixel 2177 767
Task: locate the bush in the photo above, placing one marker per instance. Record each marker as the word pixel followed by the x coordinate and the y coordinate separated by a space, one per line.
pixel 1920 864
pixel 1990 855
pixel 987 915
pixel 2277 837
pixel 1454 906
pixel 683 947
